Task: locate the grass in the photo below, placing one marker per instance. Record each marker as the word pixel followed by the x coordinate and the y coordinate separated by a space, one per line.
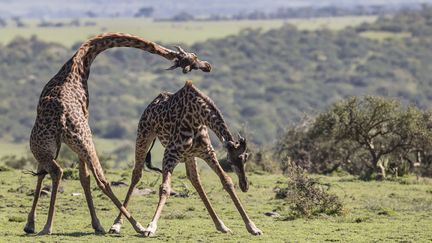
pixel 173 32
pixel 103 147
pixel 389 211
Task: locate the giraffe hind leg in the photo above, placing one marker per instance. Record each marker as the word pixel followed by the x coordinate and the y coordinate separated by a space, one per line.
pixel 56 174
pixel 143 142
pixel 85 149
pixel 192 174
pixel 85 183
pixel 44 150
pixel 30 225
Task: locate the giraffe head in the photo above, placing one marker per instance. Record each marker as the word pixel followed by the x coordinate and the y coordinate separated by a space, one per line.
pixel 189 61
pixel 238 156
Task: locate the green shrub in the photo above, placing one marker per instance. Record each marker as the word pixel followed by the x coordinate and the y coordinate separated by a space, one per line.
pixel 70 174
pixel 15 162
pixel 4 168
pixel 306 197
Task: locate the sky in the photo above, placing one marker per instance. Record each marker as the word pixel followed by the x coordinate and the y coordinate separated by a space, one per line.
pixel 168 8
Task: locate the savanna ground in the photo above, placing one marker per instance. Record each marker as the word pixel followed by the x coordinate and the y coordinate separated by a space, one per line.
pixel 390 211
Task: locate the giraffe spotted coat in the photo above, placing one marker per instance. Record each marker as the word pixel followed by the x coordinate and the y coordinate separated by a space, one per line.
pixel 181 122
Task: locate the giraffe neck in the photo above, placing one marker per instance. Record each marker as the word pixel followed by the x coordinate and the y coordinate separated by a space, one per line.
pixel 211 115
pixel 217 124
pixel 88 51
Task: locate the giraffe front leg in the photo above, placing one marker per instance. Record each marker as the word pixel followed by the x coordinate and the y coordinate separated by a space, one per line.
pixel 164 192
pixel 193 176
pixel 229 187
pixel 168 166
pixel 143 141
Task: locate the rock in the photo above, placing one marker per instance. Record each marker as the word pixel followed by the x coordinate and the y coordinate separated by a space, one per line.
pixel 174 193
pixel 272 214
pixel 143 192
pixel 74 194
pixel 45 193
pixel 118 183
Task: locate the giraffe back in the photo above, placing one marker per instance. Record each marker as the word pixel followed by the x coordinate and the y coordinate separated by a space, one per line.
pixel 181 114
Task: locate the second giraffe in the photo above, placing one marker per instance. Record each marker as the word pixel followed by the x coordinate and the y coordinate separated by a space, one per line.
pixel 180 122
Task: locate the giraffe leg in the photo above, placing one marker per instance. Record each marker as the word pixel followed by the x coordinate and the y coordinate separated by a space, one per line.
pixel 168 165
pixel 104 185
pixel 193 176
pixel 143 142
pixel 56 174
pixel 30 226
pixel 87 152
pixel 85 183
pixel 229 187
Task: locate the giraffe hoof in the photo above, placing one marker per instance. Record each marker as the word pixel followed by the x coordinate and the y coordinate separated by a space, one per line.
pixel 257 232
pixel 99 231
pixel 253 229
pixel 151 229
pixel 138 228
pixel 115 229
pixel 98 227
pixel 29 228
pixel 224 229
pixel 148 233
pixel 45 232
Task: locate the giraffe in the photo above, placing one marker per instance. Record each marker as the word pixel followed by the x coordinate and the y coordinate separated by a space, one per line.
pixel 181 121
pixel 62 117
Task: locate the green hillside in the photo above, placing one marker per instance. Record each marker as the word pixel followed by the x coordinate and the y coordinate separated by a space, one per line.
pixel 166 31
pixel 261 80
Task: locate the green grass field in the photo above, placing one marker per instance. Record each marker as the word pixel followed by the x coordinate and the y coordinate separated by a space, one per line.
pixel 173 32
pixel 104 147
pixel 389 211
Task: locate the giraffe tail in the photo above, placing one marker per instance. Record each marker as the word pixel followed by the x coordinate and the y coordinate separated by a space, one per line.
pixel 29 172
pixel 148 159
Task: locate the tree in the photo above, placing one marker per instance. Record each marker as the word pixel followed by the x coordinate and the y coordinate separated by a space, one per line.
pixel 377 125
pixel 144 12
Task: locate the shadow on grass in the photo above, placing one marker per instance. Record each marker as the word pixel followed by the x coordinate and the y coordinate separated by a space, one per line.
pixel 71 234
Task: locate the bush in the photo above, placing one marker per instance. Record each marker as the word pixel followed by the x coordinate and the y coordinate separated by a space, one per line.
pixel 307 198
pixel 16 162
pixel 262 160
pixel 4 168
pixel 70 174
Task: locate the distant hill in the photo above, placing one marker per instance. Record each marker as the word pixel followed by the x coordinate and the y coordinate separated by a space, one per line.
pixel 262 80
